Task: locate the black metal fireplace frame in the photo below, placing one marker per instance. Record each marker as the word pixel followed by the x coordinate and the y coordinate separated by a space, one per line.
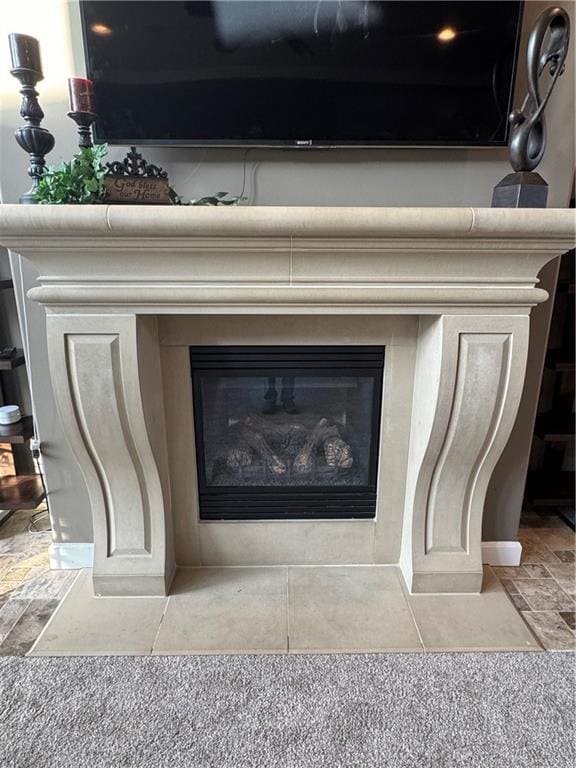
pixel 313 502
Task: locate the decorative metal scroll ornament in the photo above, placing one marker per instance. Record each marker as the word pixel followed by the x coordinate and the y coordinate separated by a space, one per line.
pixel 528 141
pixel 133 180
pixel 547 49
pixel 135 165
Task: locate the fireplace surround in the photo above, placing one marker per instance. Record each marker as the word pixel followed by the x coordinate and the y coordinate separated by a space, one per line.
pixel 128 291
pixel 287 432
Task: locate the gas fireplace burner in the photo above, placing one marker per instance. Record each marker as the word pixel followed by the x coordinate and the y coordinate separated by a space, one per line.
pixel 287 432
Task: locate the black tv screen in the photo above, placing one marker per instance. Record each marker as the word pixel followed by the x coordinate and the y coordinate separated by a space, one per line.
pixel 292 73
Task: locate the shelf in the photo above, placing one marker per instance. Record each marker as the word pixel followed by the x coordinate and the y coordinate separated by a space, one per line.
pixel 565 285
pixel 555 427
pixel 14 362
pixel 6 284
pixel 17 433
pixel 21 492
pixel 560 360
pixel 565 366
pixel 547 489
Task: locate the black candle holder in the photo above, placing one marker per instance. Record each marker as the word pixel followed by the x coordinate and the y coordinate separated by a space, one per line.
pixel 34 139
pixel 84 122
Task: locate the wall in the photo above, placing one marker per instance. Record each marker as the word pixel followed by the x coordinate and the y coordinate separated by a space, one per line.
pixel 319 177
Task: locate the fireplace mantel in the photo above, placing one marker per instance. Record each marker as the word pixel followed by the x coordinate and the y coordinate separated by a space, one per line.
pixel 108 272
pixel 286 260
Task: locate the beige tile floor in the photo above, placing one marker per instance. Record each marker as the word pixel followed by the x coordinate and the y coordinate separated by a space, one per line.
pixel 299 610
pixel 543 587
pixel 29 590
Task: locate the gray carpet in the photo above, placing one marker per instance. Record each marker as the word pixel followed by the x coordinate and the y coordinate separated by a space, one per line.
pixel 391 711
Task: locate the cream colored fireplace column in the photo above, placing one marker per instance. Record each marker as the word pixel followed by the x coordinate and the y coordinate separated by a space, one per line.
pixel 108 273
pixel 468 382
pixel 106 378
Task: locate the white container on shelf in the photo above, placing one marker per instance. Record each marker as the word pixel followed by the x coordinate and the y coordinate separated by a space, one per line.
pixel 9 414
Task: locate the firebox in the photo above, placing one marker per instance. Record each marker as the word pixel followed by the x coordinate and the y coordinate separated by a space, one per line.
pixel 287 432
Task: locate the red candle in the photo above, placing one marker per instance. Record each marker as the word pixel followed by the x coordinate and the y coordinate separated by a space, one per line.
pixel 80 94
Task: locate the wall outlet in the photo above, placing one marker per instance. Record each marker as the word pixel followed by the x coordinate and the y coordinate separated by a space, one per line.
pixel 35 446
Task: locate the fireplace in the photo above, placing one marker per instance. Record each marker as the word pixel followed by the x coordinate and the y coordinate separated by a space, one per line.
pixel 287 432
pixel 447 292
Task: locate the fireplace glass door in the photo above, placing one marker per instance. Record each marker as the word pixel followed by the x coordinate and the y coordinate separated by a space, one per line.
pixel 287 432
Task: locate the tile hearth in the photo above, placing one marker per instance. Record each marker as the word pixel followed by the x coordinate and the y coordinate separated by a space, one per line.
pixel 303 609
pixel 319 608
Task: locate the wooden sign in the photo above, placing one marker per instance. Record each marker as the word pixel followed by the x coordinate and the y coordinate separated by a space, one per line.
pixel 137 190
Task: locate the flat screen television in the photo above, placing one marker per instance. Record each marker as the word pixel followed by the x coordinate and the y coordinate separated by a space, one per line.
pixel 302 73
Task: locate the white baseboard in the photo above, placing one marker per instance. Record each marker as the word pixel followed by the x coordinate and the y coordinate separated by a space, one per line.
pixel 501 552
pixel 71 555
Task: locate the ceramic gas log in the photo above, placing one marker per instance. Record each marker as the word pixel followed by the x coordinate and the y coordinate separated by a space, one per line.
pixel 253 435
pixel 337 453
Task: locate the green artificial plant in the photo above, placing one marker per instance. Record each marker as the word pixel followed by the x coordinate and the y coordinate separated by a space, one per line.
pixel 79 181
pixel 216 199
pixel 82 181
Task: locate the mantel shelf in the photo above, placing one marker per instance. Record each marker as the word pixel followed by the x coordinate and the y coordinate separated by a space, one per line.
pixel 174 259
